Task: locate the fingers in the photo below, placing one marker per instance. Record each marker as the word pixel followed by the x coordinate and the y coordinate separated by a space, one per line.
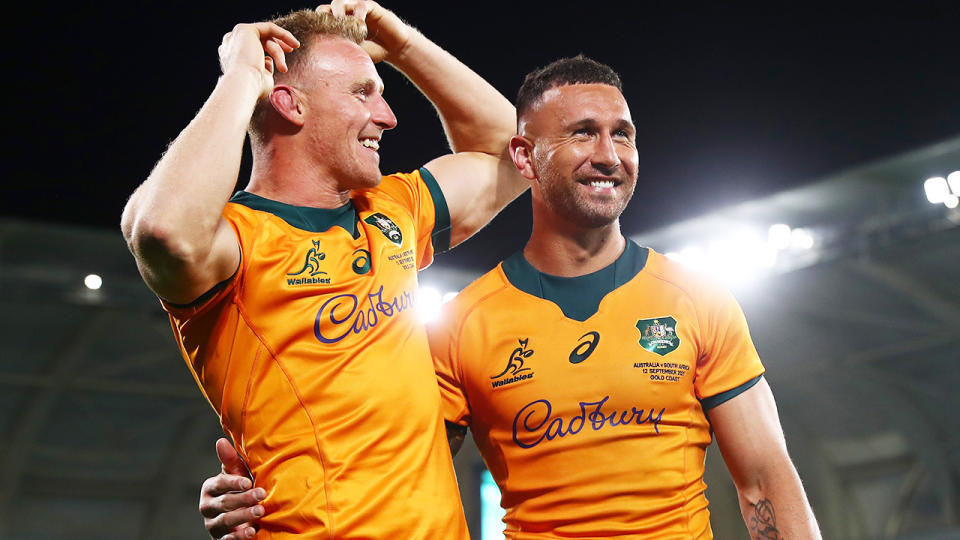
pixel 270 31
pixel 242 533
pixel 237 522
pixel 343 8
pixel 239 47
pixel 224 483
pixel 232 463
pixel 276 41
pixel 238 507
pixel 274 56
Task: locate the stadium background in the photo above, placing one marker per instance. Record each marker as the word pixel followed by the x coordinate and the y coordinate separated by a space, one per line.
pixel 827 121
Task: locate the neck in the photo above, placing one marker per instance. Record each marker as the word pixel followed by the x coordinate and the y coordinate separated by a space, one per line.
pixel 563 250
pixel 282 174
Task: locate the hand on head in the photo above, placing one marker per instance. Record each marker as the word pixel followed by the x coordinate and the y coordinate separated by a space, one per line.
pixel 387 34
pixel 257 46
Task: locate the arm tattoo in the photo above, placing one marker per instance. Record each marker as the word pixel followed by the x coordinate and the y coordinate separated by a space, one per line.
pixel 763 522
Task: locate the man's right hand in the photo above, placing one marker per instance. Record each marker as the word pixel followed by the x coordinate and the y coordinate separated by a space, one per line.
pixel 257 46
pixel 227 502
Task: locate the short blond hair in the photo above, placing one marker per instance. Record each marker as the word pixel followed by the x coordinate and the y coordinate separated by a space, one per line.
pixel 307 26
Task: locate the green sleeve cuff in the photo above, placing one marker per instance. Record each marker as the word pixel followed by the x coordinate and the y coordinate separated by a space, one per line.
pixel 441 223
pixel 712 401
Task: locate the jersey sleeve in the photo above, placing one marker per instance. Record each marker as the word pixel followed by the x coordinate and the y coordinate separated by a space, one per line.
pixel 444 347
pixel 200 325
pixel 728 362
pixel 420 192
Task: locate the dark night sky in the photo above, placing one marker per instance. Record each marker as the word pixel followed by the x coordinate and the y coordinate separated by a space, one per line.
pixel 730 104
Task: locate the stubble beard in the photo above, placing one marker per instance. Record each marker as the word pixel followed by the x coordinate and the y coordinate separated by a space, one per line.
pixel 566 199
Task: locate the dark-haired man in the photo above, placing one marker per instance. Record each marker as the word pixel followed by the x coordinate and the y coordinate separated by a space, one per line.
pixel 291 301
pixel 586 365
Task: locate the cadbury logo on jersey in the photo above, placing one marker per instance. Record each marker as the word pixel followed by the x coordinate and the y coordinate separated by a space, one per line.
pixel 310 270
pixel 386 226
pixel 515 370
pixel 535 422
pixel 343 314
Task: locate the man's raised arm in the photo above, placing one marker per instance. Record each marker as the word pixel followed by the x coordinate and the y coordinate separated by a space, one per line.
pixel 772 499
pixel 480 178
pixel 172 222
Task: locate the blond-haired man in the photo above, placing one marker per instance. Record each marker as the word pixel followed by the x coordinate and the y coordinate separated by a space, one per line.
pixel 291 300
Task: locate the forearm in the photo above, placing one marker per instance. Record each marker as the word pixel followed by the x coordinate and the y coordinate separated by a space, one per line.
pixel 180 203
pixel 475 116
pixel 775 506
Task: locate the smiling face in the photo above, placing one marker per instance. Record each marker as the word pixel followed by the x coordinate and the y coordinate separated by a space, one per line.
pixel 581 153
pixel 345 113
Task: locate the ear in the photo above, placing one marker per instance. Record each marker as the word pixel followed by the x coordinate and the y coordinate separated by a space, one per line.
pixel 521 151
pixel 286 102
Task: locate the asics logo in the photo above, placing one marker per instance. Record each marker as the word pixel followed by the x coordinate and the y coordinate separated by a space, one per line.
pixel 585 348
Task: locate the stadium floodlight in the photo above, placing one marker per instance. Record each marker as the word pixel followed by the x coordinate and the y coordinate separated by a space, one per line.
pixel 954 180
pixel 767 257
pixel 448 296
pixel 93 282
pixel 429 301
pixel 801 238
pixel 952 201
pixel 936 189
pixel 672 255
pixel 779 236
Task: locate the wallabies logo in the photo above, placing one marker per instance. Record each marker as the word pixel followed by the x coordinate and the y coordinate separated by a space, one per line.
pixel 515 365
pixel 311 263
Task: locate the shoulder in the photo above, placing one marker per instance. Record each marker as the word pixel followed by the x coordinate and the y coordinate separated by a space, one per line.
pixel 394 184
pixel 472 301
pixel 697 286
pixel 480 290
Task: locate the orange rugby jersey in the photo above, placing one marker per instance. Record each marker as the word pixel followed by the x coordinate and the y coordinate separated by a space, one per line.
pixel 319 369
pixel 587 395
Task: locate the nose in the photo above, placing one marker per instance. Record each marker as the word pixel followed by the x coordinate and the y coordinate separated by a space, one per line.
pixel 605 157
pixel 381 114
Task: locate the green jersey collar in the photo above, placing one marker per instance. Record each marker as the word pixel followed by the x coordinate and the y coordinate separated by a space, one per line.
pixel 578 297
pixel 303 217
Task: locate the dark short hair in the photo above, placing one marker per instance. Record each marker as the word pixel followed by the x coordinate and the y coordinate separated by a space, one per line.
pixel 576 70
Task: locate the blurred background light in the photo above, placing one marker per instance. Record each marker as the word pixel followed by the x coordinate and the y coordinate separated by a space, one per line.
pixel 429 300
pixel 801 238
pixel 779 236
pixel 936 189
pixel 746 253
pixel 93 282
pixel 953 179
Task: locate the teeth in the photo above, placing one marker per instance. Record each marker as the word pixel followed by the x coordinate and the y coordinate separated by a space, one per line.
pixel 602 184
pixel 370 143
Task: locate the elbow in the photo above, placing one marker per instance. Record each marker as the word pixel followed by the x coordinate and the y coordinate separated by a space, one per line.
pixel 155 240
pixel 766 479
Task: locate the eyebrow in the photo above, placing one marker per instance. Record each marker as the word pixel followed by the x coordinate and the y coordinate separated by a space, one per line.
pixel 623 123
pixel 368 83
